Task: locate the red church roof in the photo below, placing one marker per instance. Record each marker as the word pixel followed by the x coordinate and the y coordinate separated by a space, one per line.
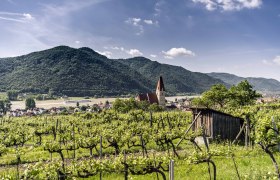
pixel 150 97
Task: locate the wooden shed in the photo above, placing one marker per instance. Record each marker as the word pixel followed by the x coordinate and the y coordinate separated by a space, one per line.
pixel 218 125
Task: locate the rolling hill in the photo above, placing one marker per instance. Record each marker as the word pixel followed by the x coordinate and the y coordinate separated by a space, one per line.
pixel 177 79
pixel 83 72
pixel 69 71
pixel 260 84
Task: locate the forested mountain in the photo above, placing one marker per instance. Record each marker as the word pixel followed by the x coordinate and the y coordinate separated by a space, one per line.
pixel 83 72
pixel 69 71
pixel 177 79
pixel 260 84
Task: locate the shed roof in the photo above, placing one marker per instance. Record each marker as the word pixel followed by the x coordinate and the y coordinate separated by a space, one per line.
pixel 196 110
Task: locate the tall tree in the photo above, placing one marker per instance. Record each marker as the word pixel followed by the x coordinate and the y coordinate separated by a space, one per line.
pixel 243 94
pixel 5 105
pixel 218 95
pixel 30 103
pixel 12 95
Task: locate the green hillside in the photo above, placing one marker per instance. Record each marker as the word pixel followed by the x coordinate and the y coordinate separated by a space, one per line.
pixel 84 72
pixel 177 79
pixel 74 72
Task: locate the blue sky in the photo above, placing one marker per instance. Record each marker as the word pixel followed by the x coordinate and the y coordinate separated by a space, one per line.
pixel 234 36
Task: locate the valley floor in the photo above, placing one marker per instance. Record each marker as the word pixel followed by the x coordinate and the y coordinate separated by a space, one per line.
pixel 47 104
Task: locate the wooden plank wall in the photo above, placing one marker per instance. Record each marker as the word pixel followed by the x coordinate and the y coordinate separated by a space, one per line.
pixel 225 127
pixel 206 119
pixel 218 126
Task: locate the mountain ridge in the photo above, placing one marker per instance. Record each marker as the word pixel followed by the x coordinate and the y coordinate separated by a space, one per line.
pixel 85 72
pixel 259 83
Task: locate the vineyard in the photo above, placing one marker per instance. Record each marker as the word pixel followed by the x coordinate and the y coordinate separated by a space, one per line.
pixel 135 145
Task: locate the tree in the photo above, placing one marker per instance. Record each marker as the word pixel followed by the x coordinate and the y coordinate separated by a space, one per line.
pixel 202 102
pixel 126 105
pixel 217 95
pixel 5 105
pixel 12 95
pixel 30 103
pixel 243 94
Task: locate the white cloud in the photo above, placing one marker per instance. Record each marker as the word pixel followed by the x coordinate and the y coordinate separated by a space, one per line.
pixel 77 42
pixel 28 16
pixel 16 17
pixel 276 60
pixel 148 21
pixel 209 4
pixel 115 48
pixel 50 27
pixel 120 51
pixel 139 23
pixel 158 7
pixel 68 7
pixel 176 52
pixel 153 55
pixel 136 23
pixel 108 54
pixel 133 21
pixel 229 5
pixel 134 52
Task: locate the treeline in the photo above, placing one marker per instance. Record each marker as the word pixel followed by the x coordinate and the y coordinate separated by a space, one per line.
pixel 127 105
pixel 220 97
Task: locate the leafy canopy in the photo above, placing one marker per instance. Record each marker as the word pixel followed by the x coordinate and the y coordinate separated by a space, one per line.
pixel 218 96
pixel 30 103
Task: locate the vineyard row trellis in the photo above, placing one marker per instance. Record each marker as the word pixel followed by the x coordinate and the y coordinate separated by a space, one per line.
pixel 83 132
pixel 136 143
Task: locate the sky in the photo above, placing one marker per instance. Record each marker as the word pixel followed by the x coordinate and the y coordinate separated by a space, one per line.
pixel 241 37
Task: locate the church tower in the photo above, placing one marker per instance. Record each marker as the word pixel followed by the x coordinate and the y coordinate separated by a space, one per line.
pixel 160 91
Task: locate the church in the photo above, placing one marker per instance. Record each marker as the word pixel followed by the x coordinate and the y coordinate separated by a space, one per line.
pixel 158 97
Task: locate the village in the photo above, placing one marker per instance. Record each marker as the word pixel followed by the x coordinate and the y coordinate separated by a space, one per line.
pixel 65 105
pixel 216 123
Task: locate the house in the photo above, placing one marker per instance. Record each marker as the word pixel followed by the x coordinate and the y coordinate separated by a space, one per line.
pixel 157 97
pixel 218 125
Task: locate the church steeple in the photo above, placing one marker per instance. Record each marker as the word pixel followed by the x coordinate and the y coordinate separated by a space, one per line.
pixel 160 85
pixel 160 91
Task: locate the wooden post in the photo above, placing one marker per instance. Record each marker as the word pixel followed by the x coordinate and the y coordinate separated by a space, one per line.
pixel 171 170
pixel 100 151
pixel 188 129
pixel 73 131
pixel 125 166
pixel 236 138
pixel 247 132
pixel 155 164
pixel 151 119
pixel 100 155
